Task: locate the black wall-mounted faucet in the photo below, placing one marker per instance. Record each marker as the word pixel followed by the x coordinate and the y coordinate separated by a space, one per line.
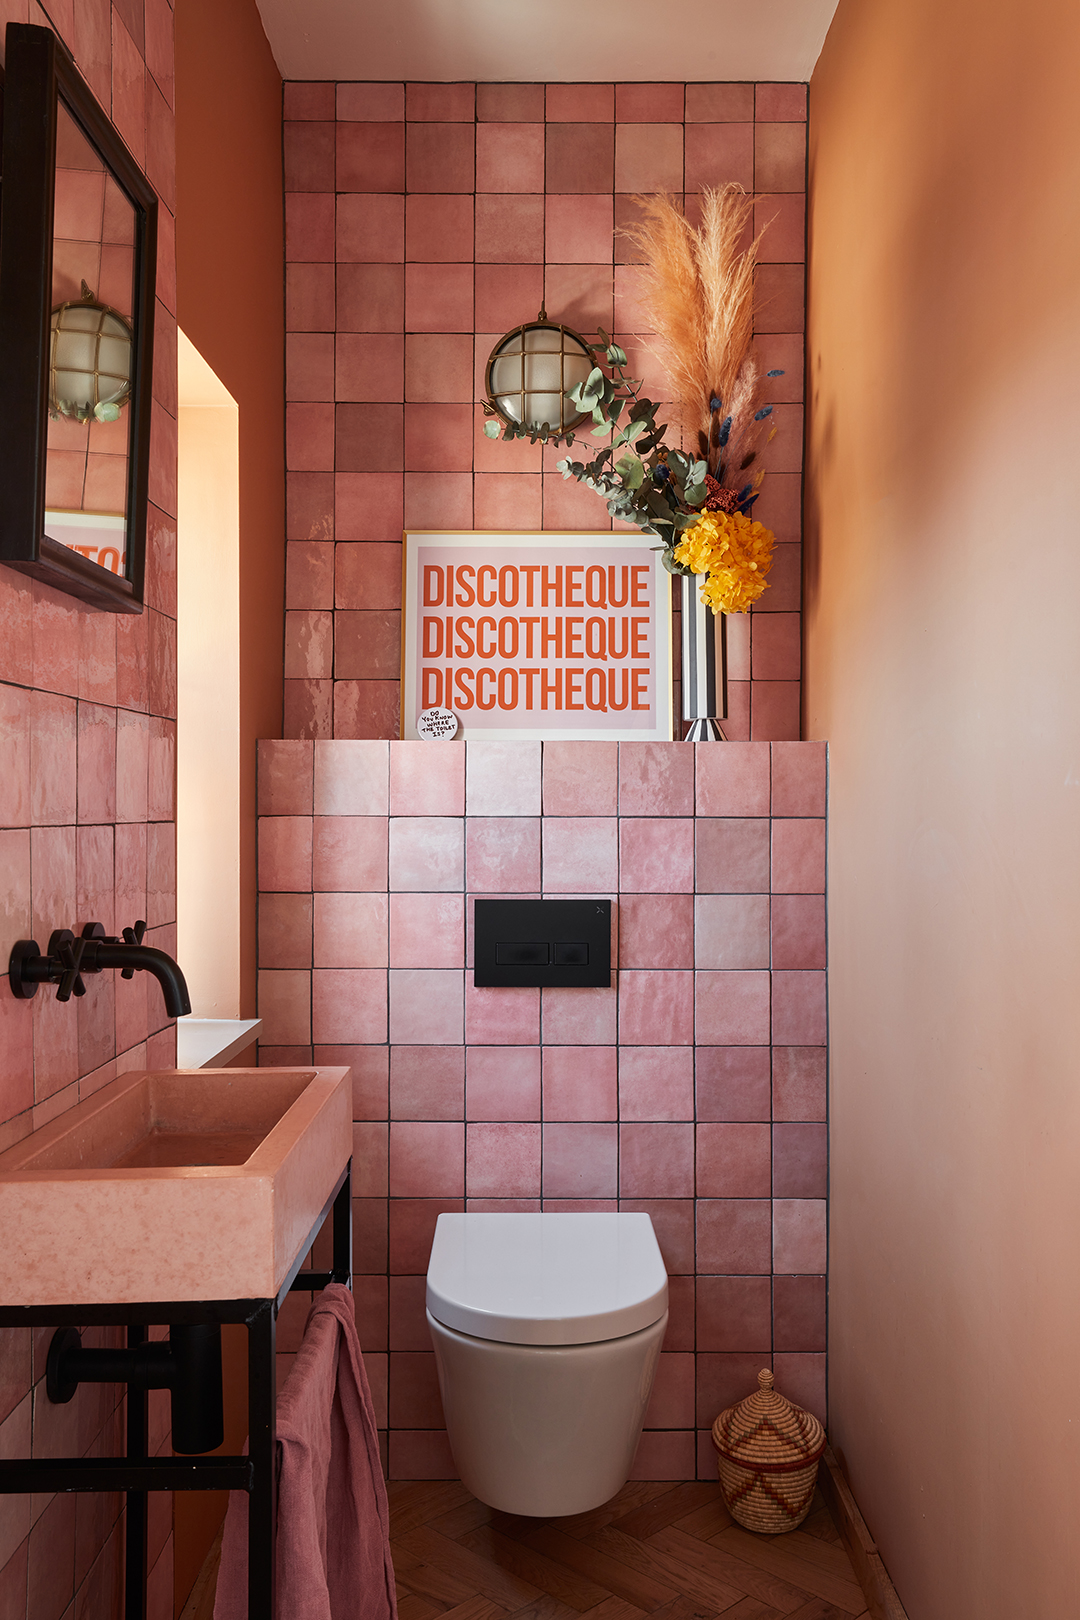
pixel 68 959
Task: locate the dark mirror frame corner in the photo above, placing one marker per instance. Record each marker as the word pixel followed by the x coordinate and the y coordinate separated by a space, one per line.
pixel 39 74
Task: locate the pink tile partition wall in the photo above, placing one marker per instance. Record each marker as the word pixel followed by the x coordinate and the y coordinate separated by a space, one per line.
pixel 422 222
pixel 87 761
pixel 694 1088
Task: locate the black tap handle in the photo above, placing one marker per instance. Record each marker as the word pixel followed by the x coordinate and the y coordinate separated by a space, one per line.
pixel 70 954
pixel 133 936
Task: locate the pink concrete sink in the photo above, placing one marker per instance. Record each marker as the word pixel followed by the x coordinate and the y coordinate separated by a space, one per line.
pixel 180 1184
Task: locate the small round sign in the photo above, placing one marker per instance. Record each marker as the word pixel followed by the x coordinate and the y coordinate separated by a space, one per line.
pixel 437 725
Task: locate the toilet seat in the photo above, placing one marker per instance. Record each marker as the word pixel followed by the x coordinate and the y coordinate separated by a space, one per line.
pixel 554 1279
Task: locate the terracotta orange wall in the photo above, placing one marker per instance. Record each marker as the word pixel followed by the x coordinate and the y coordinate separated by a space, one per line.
pixel 943 666
pixel 230 302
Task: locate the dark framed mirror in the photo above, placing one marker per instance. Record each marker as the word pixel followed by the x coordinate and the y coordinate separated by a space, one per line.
pixel 78 251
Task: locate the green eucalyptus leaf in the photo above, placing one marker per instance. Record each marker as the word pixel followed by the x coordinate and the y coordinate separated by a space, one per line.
pixel 491 430
pixel 695 494
pixel 615 355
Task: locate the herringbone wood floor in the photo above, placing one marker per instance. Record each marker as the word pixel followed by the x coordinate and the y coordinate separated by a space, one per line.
pixel 670 1552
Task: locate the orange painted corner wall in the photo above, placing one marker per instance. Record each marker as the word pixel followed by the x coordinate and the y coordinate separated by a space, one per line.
pixel 943 666
pixel 230 302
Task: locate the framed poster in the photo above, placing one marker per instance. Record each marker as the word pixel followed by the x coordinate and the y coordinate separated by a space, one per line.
pixel 541 636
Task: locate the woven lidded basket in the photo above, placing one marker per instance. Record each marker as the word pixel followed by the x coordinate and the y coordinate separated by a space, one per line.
pixel 767 1455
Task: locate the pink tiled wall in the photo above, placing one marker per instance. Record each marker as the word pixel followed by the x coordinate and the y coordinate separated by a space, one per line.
pixel 694 1088
pixel 87 743
pixel 422 222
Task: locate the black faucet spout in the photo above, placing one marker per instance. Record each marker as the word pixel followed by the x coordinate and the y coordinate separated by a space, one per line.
pixel 103 953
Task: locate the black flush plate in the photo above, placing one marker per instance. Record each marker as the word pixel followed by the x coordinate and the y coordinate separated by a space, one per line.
pixel 564 944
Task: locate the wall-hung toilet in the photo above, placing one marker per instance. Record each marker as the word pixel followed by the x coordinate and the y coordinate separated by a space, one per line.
pixel 547 1333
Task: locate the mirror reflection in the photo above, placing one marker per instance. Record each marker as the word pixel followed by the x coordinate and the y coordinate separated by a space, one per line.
pixel 90 354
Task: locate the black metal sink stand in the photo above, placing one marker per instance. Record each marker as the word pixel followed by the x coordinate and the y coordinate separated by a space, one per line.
pixel 136 1473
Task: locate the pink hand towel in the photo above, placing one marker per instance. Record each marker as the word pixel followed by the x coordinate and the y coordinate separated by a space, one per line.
pixel 333 1524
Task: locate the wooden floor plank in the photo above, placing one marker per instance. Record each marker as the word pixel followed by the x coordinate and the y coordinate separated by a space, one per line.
pixel 565 1584
pixel 545 1607
pixel 665 1509
pixel 822 1553
pixel 696 1580
pixel 484 1576
pixel 411 1606
pixel 768 1554
pixel 634 1494
pixel 705 1521
pixel 818 1609
pixel 428 1580
pixel 614 1608
pixel 753 1609
pixel 732 1570
pixel 419 1502
pixel 641 1590
pixel 460 1520
pixel 476 1608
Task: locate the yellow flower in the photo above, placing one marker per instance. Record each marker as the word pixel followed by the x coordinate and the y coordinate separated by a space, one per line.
pixel 734 552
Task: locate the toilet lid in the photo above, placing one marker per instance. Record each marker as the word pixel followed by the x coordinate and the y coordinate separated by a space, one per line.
pixel 546 1279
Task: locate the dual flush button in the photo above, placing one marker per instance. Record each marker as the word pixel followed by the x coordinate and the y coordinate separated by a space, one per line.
pixel 560 944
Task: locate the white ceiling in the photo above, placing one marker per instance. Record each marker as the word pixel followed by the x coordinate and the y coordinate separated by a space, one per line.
pixel 580 41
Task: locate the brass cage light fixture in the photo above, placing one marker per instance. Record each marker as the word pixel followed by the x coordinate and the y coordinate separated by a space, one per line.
pixel 90 350
pixel 531 370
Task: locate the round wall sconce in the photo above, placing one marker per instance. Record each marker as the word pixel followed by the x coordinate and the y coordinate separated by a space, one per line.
pixel 89 360
pixel 530 372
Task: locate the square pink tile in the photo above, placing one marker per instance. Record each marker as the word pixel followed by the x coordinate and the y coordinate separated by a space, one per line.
pixel 579 1085
pixel 309 366
pixel 351 778
pixel 656 1009
pixel 781 297
pixel 427 853
pixel 503 501
pixel 408 1327
pixel 580 103
pixel 426 1006
pixel 440 157
pixel 434 500
pixel 649 157
pixel 732 1082
pixel 580 855
pixel 804 1377
pixel 439 298
pixel 581 778
pixel 501 1017
pixel 369 101
pixel 732 855
pixel 502 1160
pixel 656 931
pixel 510 231
pixel 734 1236
pixel 427 931
pixel 368 437
pixel 309 227
pixel 503 293
pixel 580 1161
pixel 285 930
pixel 285 852
pixel 579 158
pixel 731 931
pixel 502 1082
pixel 427 1082
pixel 414 1392
pixel 732 1009
pixel 441 103
pixel 510 157
pixel 799 1235
pixel 779 156
pixel 426 779
pixel 309 438
pixel 439 367
pixel 579 229
pixel 502 853
pixel 506 102
pixel 367 576
pixel 800 1161
pixel 349 853
pixel 799 778
pixel 370 1159
pixel 370 229
pixel 656 855
pixel 656 779
pixel 716 153
pixel 285 1008
pixel 776 645
pixel 799 1015
pixel 734 1313
pixel 673 1223
pixel 656 1083
pixel 427 1160
pixel 799 1313
pixel 779 103
pixel 370 1066
pixel 309 100
pixel 15 742
pixel 350 931
pixel 783 218
pixel 370 297
pixel 309 574
pixel 648 103
pixel 348 1006
pixel 502 778
pixel 439 229
pixel 733 779
pixel 656 1161
pixel 584 1018
pixel 798 931
pixel 309 298
pixel 799 1082
pixel 368 367
pixel 438 438
pixel 664 1454
pixel 671 1405
pixel 733 1161
pixel 412 1229
pixel 53 753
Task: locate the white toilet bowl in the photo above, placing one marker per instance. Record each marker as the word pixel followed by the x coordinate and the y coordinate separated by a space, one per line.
pixel 547 1333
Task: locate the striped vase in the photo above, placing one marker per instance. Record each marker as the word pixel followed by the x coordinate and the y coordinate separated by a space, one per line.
pixel 704 665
